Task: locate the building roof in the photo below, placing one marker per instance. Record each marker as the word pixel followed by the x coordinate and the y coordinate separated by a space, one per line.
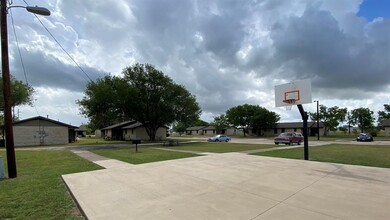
pixel 196 128
pixel 43 119
pixel 119 125
pixel 134 125
pixel 310 124
pixel 386 122
pixel 209 128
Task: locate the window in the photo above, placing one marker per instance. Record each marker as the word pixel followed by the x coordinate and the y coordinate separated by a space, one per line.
pixel 283 129
pixel 275 131
pixel 295 129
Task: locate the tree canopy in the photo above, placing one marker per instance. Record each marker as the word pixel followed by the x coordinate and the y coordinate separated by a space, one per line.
pixel 220 123
pixel 254 116
pixel 21 93
pixel 363 118
pixel 382 115
pixel 143 94
pixel 331 117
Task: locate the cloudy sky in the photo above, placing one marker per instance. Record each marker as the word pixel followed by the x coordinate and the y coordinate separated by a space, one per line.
pixel 226 52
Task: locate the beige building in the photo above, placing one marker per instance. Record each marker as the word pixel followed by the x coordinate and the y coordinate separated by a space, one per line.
pixel 130 130
pixel 386 126
pixel 290 127
pixel 209 130
pixel 138 131
pixel 42 131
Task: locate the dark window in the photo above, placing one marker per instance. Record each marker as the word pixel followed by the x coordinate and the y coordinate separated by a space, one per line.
pixel 275 131
pixel 295 129
pixel 283 129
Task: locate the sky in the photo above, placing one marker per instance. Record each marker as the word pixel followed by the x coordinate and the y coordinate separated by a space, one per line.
pixel 225 52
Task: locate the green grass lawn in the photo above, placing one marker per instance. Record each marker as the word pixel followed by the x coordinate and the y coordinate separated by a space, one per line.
pixel 375 156
pixel 221 147
pixel 144 155
pixel 38 192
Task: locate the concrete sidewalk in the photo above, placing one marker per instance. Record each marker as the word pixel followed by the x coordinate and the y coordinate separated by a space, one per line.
pixel 233 186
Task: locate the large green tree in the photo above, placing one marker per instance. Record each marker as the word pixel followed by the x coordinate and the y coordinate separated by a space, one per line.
pixel 363 118
pixel 102 102
pixel 21 93
pixel 143 94
pixel 331 117
pixel 264 120
pixel 254 116
pixel 220 123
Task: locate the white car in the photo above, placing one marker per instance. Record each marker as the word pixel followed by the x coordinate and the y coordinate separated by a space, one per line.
pixel 219 138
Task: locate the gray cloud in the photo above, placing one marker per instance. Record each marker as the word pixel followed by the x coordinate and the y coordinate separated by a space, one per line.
pixel 226 53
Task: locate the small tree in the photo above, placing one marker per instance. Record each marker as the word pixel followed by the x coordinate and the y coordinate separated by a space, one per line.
pixel 179 127
pixel 382 115
pixel 254 116
pixel 331 117
pixel 220 123
pixel 21 93
pixel 363 118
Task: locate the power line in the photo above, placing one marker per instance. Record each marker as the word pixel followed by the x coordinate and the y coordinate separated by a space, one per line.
pixel 85 73
pixel 21 59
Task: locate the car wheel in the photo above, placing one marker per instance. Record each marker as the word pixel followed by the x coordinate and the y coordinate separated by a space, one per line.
pixel 299 142
pixel 277 143
pixel 227 140
pixel 216 140
pixel 290 143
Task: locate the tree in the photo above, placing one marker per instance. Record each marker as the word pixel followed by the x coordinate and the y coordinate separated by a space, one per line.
pixel 382 115
pixel 21 93
pixel 102 102
pixel 264 120
pixel 246 115
pixel 179 127
pixel 331 117
pixel 155 100
pixel 363 118
pixel 198 122
pixel 220 123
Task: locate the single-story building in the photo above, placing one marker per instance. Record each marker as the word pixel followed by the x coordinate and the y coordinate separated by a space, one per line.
pixel 42 131
pixel 197 130
pixel 130 130
pixel 114 132
pixel 291 127
pixel 386 126
pixel 138 131
pixel 209 130
pixel 80 132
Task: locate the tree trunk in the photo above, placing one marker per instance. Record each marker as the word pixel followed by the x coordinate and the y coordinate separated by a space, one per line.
pixel 151 132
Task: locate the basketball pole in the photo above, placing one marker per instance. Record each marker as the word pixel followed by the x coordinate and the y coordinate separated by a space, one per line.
pixel 305 138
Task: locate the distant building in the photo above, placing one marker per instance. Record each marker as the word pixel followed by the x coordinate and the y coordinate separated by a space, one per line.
pixel 209 130
pixel 290 127
pixel 386 126
pixel 130 130
pixel 42 131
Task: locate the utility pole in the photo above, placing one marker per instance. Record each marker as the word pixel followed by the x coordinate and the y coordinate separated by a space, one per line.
pixel 9 134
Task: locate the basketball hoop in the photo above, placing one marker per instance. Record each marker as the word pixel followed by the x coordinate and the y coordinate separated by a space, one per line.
pixel 290 103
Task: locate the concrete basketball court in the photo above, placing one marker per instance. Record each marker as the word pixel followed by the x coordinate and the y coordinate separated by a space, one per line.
pixel 232 186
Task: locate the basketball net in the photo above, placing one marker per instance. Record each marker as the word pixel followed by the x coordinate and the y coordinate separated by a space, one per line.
pixel 290 103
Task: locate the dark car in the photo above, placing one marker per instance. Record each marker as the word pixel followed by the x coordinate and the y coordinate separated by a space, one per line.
pixel 364 137
pixel 289 138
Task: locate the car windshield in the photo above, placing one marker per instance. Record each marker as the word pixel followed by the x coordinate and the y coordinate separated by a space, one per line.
pixel 286 134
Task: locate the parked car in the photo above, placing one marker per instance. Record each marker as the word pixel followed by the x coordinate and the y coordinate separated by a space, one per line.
pixel 289 138
pixel 364 137
pixel 219 138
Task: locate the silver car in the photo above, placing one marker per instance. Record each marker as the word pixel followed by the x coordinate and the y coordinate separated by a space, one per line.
pixel 219 138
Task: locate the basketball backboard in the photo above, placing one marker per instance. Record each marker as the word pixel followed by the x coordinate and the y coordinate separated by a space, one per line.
pixel 294 93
